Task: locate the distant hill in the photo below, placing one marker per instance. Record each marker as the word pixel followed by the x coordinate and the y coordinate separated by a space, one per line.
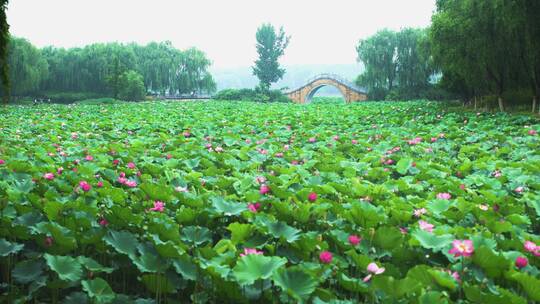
pixel 295 76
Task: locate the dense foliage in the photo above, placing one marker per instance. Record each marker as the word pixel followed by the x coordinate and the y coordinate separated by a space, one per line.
pixel 257 94
pixel 99 69
pixel 131 86
pixel 397 64
pixel 236 202
pixel 488 47
pixel 270 46
pixel 28 68
pixel 4 67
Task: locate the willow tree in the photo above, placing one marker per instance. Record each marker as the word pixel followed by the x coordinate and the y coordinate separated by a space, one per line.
pixel 4 37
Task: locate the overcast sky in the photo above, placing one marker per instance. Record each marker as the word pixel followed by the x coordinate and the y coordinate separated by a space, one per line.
pixel 323 32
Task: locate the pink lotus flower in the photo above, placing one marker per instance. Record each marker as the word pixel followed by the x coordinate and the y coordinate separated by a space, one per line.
pixel 74 135
pixel 131 165
pixel 336 137
pixel 312 139
pixel 186 134
pixel 286 147
pixel 48 176
pixel 260 179
pixel 483 207
pixel 208 146
pixel 169 156
pixel 2 161
pixel 103 222
pixel 354 141
pixel 415 141
pixel 496 173
pixel 529 246
pixel 181 189
pixel 462 186
pixel 354 239
pixel 248 141
pixel 99 184
pixel 158 206
pixel 369 149
pixel 519 189
pixel 312 196
pixel 279 155
pixel 85 186
pixel 389 161
pixel 425 226
pixel 294 162
pixel 374 270
pixel 254 207
pixel 434 139
pixel 444 196
pixel 403 230
pixel 248 251
pixel 89 158
pixel 115 162
pixel 462 248
pixel 454 275
pixel 532 132
pixel 420 212
pixel 326 257
pixel 219 149
pixel 131 184
pixel 521 262
pixel 264 189
pixel 49 241
pixel 59 170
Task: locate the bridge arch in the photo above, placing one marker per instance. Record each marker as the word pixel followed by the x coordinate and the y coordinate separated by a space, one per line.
pixel 350 92
pixel 314 90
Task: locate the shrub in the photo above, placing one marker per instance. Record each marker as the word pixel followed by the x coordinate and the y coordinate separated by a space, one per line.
pixel 257 95
pixel 131 86
pixel 98 101
pixel 69 97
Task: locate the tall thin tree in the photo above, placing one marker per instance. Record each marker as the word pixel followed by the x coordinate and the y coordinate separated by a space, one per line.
pixel 4 38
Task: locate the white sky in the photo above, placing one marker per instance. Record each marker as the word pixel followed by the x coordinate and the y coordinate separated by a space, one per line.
pixel 323 32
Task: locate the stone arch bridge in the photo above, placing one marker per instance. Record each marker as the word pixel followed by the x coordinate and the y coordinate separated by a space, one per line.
pixel 305 93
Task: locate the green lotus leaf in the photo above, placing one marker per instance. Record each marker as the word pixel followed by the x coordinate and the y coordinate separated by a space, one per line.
pixel 67 268
pixel 253 267
pixel 99 290
pixel 122 241
pixel 196 235
pixel 7 248
pixel 27 271
pixel 295 282
pixel 228 208
pixel 185 266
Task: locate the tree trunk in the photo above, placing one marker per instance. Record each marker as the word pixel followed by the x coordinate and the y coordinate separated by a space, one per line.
pixel 501 103
pixel 534 103
pixel 475 103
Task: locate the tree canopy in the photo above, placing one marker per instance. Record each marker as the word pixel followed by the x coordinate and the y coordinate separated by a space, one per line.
pixel 99 68
pixel 488 47
pixel 395 62
pixel 4 36
pixel 270 46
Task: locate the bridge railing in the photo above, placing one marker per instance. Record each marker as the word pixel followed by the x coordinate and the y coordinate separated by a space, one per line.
pixel 334 77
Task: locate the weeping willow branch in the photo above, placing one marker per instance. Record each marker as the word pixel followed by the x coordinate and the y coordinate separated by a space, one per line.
pixel 4 37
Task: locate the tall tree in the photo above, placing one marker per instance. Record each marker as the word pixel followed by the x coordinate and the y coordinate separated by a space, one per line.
pixel 270 46
pixel 28 67
pixel 4 39
pixel 396 61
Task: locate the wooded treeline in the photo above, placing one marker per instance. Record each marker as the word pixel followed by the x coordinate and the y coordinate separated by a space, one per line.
pixel 474 49
pixel 107 68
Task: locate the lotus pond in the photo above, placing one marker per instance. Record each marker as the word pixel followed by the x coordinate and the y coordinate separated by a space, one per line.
pixel 237 202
